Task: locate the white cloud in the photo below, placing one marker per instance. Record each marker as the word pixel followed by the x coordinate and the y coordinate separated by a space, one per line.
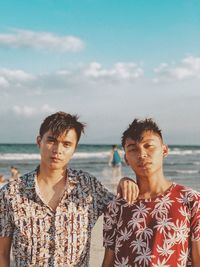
pixel 189 67
pixel 69 79
pixel 40 40
pixel 24 110
pixel 123 71
pixel 107 108
pixel 28 111
pixel 75 79
pixel 16 75
pixel 3 82
pixel 14 78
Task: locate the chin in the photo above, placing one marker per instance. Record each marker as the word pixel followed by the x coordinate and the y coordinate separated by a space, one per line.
pixel 55 167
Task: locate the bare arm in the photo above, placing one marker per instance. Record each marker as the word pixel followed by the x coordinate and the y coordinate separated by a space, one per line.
pixel 5 246
pixel 195 253
pixel 110 158
pixel 108 260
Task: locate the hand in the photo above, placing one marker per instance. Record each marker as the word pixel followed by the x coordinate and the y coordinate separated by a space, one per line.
pixel 128 189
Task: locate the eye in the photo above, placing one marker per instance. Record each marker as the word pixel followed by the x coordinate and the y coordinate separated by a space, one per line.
pixel 66 144
pixel 132 149
pixel 50 140
pixel 149 146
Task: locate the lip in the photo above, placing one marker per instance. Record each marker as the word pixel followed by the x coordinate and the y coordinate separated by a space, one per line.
pixel 144 164
pixel 55 159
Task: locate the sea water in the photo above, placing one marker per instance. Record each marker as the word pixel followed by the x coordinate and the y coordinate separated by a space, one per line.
pixel 182 164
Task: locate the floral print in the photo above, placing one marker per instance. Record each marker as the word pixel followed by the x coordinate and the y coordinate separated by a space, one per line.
pixel 156 232
pixel 43 237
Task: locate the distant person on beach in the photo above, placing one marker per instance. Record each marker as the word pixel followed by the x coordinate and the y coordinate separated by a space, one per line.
pixel 15 174
pixel 162 228
pixel 116 162
pixel 2 180
pixel 47 215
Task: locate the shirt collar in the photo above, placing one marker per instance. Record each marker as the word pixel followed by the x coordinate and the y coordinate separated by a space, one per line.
pixel 28 180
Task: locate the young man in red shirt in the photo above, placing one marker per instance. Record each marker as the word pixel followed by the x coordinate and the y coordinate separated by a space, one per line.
pixel 162 228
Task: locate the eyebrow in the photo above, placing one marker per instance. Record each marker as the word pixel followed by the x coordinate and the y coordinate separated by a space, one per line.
pixel 131 145
pixel 142 141
pixel 147 140
pixel 51 137
pixel 55 139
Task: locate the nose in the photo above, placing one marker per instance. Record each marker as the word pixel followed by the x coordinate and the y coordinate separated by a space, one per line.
pixel 57 148
pixel 142 153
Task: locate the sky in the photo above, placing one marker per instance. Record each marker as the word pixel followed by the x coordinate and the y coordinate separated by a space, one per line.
pixel 109 61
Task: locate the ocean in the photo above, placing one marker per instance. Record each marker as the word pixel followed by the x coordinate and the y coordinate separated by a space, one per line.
pixel 182 164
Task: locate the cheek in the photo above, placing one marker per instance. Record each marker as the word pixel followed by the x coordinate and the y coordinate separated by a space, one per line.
pixel 158 156
pixel 69 152
pixel 131 159
pixel 44 149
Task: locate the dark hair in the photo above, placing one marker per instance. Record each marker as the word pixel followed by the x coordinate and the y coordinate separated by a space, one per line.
pixel 138 127
pixel 60 122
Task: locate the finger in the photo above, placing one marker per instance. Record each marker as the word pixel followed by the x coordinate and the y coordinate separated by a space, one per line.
pixel 130 192
pixel 135 191
pixel 138 191
pixel 133 194
pixel 124 191
pixel 119 191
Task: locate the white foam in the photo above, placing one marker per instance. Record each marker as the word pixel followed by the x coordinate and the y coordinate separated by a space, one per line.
pixel 91 155
pixel 187 171
pixel 184 152
pixel 84 155
pixel 19 156
pixel 77 155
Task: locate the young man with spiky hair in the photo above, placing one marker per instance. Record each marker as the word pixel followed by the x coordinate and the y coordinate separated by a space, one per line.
pixel 47 215
pixel 162 228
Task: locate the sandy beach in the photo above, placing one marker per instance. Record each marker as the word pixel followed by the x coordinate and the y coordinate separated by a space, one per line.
pixel 97 250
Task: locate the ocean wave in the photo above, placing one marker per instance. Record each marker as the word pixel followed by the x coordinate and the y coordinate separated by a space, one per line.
pixel 77 155
pixel 184 152
pixel 86 155
pixel 19 156
pixel 196 163
pixel 187 171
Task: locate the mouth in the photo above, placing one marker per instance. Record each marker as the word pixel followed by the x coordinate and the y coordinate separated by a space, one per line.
pixel 144 164
pixel 54 159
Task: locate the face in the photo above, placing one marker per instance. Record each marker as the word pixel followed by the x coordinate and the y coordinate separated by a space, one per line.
pixel 57 152
pixel 146 156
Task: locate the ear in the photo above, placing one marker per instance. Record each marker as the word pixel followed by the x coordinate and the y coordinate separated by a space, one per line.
pixel 38 140
pixel 126 160
pixel 165 150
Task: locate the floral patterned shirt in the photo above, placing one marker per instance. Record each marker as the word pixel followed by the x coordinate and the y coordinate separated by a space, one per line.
pixel 43 237
pixel 156 232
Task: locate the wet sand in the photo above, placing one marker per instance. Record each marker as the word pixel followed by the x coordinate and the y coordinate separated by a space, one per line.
pixel 97 250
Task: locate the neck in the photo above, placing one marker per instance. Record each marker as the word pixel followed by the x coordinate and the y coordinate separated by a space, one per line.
pixel 152 186
pixel 51 177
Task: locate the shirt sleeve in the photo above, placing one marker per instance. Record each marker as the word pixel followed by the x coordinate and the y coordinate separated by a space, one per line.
pixel 6 227
pixel 102 196
pixel 110 224
pixel 195 218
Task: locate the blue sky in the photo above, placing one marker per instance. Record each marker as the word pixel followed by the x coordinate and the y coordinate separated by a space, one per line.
pixel 108 61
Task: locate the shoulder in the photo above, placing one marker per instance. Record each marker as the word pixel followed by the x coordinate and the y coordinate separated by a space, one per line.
pixel 11 188
pixel 115 203
pixel 186 190
pixel 186 195
pixel 82 176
